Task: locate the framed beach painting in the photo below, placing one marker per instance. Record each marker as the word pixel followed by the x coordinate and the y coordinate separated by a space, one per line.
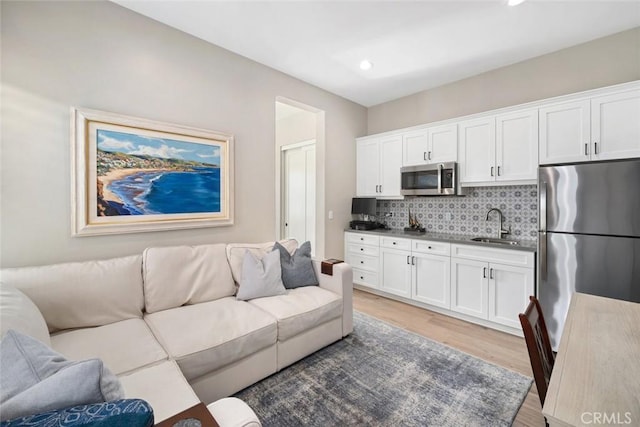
pixel 134 175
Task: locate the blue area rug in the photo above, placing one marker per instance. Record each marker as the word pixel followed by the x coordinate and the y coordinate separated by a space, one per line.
pixel 382 375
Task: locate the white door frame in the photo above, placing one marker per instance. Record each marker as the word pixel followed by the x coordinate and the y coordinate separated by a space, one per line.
pixel 320 176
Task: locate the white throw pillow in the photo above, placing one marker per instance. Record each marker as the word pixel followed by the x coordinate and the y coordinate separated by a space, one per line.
pixel 261 277
pixel 235 254
pixel 19 313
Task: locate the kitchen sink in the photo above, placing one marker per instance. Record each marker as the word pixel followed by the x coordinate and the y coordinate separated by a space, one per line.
pixel 494 240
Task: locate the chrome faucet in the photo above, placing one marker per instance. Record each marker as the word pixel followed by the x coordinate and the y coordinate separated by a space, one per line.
pixel 501 232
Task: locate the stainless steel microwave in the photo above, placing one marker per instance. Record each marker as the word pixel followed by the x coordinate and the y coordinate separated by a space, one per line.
pixel 439 179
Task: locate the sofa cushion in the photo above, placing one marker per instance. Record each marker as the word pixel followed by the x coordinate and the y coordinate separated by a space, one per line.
pixel 260 277
pixel 205 337
pixel 123 346
pixel 82 294
pixel 179 275
pixel 301 309
pixel 297 269
pixel 36 379
pixel 163 386
pixel 235 253
pixel 19 313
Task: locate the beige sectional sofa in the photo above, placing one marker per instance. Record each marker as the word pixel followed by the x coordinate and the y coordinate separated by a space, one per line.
pixel 167 322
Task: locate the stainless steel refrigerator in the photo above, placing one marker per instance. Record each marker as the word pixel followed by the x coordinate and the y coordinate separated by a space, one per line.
pixel 589 235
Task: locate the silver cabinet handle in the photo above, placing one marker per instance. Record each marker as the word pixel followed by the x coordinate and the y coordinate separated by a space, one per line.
pixel 361 278
pixel 595 148
pixel 429 156
pixel 484 272
pixel 361 249
pixel 491 273
pixel 498 170
pixel 491 170
pixel 586 149
pixel 394 243
pixel 361 262
pixel 424 156
pixel 408 256
pixel 413 260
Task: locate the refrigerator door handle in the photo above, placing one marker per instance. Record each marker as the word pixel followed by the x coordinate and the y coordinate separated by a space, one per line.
pixel 542 236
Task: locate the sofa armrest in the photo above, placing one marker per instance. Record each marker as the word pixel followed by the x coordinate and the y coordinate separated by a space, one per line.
pixel 340 283
pixel 117 413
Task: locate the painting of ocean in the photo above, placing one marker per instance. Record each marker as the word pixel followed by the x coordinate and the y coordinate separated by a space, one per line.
pixel 163 192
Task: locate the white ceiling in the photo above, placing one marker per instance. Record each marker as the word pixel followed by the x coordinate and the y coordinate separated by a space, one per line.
pixel 414 45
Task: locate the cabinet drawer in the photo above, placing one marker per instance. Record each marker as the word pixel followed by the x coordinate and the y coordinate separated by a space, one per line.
pixel 364 250
pixel 502 256
pixel 428 247
pixel 395 243
pixel 363 239
pixel 367 278
pixel 364 262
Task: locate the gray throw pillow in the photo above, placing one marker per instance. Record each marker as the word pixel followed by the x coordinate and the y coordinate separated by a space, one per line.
pixel 36 379
pixel 260 277
pixel 297 269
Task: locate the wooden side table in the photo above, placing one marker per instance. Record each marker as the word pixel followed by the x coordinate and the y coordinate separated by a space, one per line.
pixel 197 413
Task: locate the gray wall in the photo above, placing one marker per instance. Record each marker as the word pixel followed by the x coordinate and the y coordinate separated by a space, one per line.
pixel 602 62
pixel 99 55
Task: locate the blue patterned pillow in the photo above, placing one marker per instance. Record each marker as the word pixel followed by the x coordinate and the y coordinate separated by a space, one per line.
pixel 297 269
pixel 118 413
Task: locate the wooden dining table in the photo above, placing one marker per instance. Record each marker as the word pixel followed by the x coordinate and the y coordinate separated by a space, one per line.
pixel 596 376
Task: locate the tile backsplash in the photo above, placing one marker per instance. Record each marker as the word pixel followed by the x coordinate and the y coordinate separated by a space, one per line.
pixel 466 215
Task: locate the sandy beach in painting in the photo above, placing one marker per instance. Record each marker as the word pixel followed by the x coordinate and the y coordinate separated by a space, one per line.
pixel 117 174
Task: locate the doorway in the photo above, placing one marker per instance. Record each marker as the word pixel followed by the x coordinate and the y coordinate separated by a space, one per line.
pixel 300 173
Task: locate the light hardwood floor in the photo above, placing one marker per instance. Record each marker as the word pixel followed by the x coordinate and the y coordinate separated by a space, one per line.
pixel 493 346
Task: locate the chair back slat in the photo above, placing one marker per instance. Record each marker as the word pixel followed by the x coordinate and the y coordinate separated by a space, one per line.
pixel 536 337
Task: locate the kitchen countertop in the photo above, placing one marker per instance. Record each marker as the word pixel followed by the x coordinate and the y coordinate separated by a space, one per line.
pixel 523 245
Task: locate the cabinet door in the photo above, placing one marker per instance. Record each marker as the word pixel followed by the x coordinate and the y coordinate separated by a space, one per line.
pixel 517 146
pixel 390 164
pixel 367 166
pixel 476 150
pixel 415 147
pixel 509 290
pixel 443 144
pixel 615 125
pixel 395 272
pixel 469 287
pixel 431 279
pixel 565 132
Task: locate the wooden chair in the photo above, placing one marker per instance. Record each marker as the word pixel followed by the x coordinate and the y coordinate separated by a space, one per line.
pixel 539 346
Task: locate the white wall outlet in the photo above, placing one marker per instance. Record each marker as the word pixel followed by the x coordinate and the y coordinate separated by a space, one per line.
pixel 449 216
pixel 330 214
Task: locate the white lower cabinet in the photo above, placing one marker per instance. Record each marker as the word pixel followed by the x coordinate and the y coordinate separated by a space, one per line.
pixel 490 290
pixel 485 285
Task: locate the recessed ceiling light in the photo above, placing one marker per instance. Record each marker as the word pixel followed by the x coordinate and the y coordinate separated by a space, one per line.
pixel 514 2
pixel 366 65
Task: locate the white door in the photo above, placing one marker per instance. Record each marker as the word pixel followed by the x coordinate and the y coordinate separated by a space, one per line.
pixel 299 200
pixel 415 146
pixel 367 167
pixel 517 146
pixel 390 164
pixel 509 290
pixel 565 132
pixel 431 279
pixel 615 126
pixel 443 144
pixel 477 150
pixel 395 269
pixel 469 287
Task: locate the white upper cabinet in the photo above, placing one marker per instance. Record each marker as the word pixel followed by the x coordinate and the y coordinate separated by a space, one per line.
pixel 378 162
pixel 431 145
pixel 477 150
pixel 565 132
pixel 599 128
pixel 517 146
pixel 615 125
pixel 498 149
